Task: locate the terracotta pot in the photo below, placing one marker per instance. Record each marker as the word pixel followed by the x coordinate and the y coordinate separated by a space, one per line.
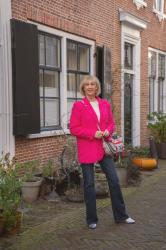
pixel 145 163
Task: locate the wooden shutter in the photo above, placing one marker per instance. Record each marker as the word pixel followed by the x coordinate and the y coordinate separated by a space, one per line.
pixel 103 70
pixel 25 67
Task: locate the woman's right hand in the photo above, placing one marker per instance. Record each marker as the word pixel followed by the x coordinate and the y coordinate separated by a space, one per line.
pixel 98 134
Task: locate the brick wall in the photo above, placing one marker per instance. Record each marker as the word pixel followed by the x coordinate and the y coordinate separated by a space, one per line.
pixel 97 20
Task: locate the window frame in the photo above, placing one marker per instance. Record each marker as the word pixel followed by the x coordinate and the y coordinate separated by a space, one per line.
pixel 157 78
pixel 77 71
pixel 54 69
pixel 140 3
pixel 159 13
pixel 63 75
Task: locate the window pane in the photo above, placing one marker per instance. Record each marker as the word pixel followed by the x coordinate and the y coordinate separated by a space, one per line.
pixel 51 83
pixel 71 56
pixel 159 5
pixel 41 113
pixel 71 85
pixel 128 57
pixel 160 95
pixel 151 94
pixel 79 80
pixel 52 51
pixel 128 82
pixel 161 66
pixel 51 112
pixel 41 50
pixel 83 58
pixel 41 82
pixel 152 64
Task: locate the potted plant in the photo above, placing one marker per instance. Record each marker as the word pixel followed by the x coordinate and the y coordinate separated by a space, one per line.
pixel 75 186
pixel 30 183
pixel 70 168
pixel 157 128
pixel 51 176
pixel 10 195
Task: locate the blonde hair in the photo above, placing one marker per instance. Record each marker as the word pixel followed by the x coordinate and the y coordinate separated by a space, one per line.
pixel 88 79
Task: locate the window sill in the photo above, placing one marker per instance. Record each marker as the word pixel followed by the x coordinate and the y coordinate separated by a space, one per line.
pixel 161 16
pixel 140 4
pixel 49 134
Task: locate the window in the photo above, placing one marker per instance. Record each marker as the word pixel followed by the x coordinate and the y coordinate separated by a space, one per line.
pixel 128 91
pixel 152 77
pixel 159 5
pixel 128 59
pixel 158 9
pixel 78 65
pixel 161 79
pixel 49 80
pixel 140 3
pixel 157 81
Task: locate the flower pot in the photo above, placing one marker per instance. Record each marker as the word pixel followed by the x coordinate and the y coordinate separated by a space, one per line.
pixel 30 189
pixel 145 163
pixel 101 185
pixel 161 150
pixel 122 175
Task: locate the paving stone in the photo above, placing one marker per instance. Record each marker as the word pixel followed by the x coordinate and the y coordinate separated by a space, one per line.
pixel 66 230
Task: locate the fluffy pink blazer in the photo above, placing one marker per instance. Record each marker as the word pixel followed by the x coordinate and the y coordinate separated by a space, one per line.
pixel 84 124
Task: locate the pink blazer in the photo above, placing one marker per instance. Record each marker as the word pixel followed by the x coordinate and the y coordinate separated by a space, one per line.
pixel 84 124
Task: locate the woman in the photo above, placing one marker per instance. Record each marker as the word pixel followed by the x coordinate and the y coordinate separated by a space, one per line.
pixel 91 120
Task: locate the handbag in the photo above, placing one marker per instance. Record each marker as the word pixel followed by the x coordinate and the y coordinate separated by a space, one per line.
pixel 114 146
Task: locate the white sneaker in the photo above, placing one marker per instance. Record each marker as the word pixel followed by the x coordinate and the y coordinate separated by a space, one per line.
pixel 92 226
pixel 129 221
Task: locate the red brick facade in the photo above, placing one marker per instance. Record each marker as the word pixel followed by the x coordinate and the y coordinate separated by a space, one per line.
pixel 97 20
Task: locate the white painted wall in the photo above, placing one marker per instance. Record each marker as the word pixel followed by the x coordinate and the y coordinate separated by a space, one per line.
pixel 7 141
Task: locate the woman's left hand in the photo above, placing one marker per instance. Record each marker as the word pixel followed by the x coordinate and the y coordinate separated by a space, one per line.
pixel 106 133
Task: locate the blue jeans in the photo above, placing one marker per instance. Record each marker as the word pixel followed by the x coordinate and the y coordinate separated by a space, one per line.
pixel 118 206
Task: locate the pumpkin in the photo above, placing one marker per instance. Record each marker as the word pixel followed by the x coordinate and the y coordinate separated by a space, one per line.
pixel 145 163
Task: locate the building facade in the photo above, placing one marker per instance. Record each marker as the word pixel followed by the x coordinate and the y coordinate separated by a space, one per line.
pixel 47 47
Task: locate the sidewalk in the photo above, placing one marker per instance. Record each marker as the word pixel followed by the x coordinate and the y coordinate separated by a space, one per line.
pixel 62 226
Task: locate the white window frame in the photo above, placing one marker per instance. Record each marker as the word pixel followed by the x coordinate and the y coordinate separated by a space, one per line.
pixel 140 4
pixel 130 32
pixel 160 14
pixel 135 41
pixel 156 80
pixel 63 75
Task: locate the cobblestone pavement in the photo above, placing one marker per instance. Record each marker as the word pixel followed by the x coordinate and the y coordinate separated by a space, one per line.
pixel 66 230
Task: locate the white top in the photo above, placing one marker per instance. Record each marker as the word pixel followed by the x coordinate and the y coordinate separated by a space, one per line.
pixel 95 106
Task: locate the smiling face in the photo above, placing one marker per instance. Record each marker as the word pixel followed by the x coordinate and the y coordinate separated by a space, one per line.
pixel 90 89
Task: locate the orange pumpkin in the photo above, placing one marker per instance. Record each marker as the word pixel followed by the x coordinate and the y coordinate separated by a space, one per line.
pixel 145 163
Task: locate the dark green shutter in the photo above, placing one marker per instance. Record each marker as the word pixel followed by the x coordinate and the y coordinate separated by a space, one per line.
pixel 103 70
pixel 25 67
